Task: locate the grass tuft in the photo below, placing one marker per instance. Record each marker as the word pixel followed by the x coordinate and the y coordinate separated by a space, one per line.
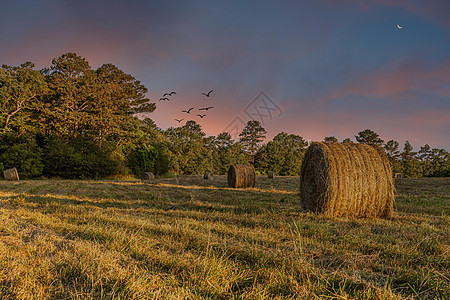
pixel 184 238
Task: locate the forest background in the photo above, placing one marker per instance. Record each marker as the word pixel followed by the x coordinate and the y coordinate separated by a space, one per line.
pixel 71 121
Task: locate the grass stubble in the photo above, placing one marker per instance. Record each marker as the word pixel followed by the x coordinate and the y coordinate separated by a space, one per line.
pixel 190 238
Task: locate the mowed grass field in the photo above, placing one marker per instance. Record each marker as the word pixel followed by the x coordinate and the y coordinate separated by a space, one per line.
pixel 190 238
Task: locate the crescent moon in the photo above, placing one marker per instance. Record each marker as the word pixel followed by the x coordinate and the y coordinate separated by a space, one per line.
pixel 400 27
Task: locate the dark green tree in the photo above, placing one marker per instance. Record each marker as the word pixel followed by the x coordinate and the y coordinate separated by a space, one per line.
pixel 330 139
pixel 440 160
pixel 283 155
pixel 188 154
pixel 347 140
pixel 410 164
pixel 391 149
pixel 148 158
pixel 425 157
pixel 100 104
pixel 22 153
pixel 116 98
pixel 79 158
pixel 228 152
pixel 251 137
pixel 368 136
pixel 66 111
pixel 393 153
pixel 425 153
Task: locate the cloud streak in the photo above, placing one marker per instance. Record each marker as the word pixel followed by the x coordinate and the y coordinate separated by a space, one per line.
pixel 333 66
pixel 396 81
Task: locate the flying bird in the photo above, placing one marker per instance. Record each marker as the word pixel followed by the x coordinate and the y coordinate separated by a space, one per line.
pixel 188 111
pixel 172 93
pixel 207 94
pixel 399 27
pixel 178 120
pixel 206 108
pixel 201 116
pixel 164 98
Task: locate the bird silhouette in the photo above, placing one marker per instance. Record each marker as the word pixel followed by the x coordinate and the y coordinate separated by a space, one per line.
pixel 188 111
pixel 207 94
pixel 206 108
pixel 169 94
pixel 179 120
pixel 164 99
pixel 201 116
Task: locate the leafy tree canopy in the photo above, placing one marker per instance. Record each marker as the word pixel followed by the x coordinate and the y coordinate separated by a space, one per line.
pixel 252 135
pixel 368 136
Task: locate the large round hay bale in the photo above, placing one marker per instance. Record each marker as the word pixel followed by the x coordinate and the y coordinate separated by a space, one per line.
pixel 208 176
pixel 147 176
pixel 347 179
pixel 11 174
pixel 241 176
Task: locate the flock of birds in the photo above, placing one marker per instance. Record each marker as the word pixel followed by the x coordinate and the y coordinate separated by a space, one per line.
pixel 208 94
pixel 188 111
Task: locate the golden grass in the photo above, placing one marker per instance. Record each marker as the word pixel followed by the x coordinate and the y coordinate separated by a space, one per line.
pixel 188 238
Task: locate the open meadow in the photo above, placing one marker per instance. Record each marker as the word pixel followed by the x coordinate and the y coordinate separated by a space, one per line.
pixel 190 238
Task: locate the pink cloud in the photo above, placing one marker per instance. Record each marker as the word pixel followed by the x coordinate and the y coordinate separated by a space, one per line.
pixel 394 81
pixel 425 126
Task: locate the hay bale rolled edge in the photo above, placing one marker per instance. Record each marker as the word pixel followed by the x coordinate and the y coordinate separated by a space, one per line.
pixel 147 176
pixel 347 180
pixel 11 174
pixel 241 176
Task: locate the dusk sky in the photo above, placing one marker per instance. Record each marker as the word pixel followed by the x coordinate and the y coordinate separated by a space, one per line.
pixel 313 68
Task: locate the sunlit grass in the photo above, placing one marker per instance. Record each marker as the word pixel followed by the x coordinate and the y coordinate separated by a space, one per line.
pixel 189 238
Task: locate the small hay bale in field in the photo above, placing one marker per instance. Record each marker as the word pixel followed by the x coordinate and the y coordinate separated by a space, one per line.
pixel 208 176
pixel 271 175
pixel 148 176
pixel 11 174
pixel 399 175
pixel 170 174
pixel 347 179
pixel 241 176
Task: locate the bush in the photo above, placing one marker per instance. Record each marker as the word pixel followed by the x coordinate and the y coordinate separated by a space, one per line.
pixel 79 158
pixel 21 153
pixel 148 158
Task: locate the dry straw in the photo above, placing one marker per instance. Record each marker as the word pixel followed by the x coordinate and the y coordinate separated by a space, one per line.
pixel 147 176
pixel 241 176
pixel 11 174
pixel 347 179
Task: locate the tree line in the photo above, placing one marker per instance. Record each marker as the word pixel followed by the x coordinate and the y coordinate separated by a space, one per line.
pixel 72 121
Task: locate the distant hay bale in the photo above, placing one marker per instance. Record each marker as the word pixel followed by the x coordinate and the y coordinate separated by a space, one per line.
pixel 241 176
pixel 399 175
pixel 147 176
pixel 348 180
pixel 11 174
pixel 208 176
pixel 271 175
